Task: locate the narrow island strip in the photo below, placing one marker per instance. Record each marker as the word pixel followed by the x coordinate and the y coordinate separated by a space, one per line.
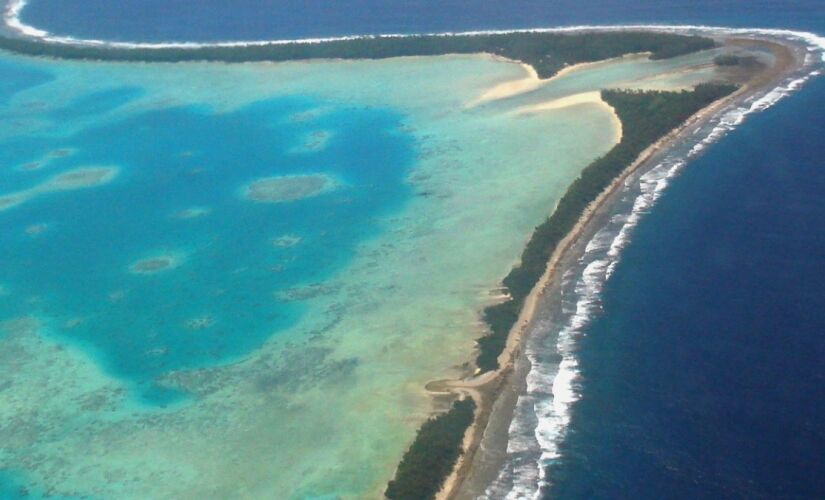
pixel 651 122
pixel 646 117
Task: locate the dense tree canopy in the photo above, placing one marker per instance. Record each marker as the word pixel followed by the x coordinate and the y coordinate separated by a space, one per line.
pixel 432 455
pixel 546 52
pixel 646 117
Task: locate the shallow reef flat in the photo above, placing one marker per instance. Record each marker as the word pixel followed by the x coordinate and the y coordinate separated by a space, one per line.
pixel 80 178
pixel 288 188
pixel 301 331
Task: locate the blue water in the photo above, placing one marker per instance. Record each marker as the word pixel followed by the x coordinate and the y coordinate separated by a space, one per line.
pixel 232 272
pixel 704 375
pixel 14 78
pixel 212 20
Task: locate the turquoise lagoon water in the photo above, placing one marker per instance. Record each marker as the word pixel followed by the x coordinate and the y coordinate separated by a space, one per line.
pixel 180 172
pixel 168 336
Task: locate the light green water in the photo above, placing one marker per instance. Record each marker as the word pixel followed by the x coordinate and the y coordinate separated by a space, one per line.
pixel 293 419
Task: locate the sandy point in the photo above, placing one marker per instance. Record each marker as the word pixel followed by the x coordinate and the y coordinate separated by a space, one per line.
pixel 80 178
pixel 287 188
pixel 156 264
pixel 583 98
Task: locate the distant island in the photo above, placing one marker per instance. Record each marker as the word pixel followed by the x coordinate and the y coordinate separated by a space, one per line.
pixel 431 467
pixel 547 52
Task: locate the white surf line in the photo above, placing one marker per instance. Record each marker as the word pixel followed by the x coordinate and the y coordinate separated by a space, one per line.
pixel 553 413
pixel 14 8
pixel 553 389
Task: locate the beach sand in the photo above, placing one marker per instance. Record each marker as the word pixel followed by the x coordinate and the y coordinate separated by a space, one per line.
pixel 531 80
pixel 584 98
pixel 403 313
pixel 495 393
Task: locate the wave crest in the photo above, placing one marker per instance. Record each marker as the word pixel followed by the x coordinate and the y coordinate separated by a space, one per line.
pixel 543 411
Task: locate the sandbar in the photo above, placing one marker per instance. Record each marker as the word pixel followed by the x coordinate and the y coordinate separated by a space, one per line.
pixel 591 98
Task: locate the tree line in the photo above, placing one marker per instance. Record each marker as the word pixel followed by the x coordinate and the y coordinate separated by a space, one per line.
pixel 646 117
pixel 546 52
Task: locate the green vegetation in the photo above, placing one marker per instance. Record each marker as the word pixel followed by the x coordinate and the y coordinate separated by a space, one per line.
pixel 646 116
pixel 546 52
pixel 432 455
pixel 726 60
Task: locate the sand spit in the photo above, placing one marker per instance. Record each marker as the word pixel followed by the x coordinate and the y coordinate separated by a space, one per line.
pixel 509 89
pixel 584 98
pixel 479 464
pixel 531 80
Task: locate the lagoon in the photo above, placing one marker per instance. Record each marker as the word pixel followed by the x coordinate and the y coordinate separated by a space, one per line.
pixel 168 336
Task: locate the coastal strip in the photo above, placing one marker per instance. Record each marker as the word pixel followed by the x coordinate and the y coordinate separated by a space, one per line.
pixel 483 389
pixel 554 238
pixel 546 52
pixel 486 443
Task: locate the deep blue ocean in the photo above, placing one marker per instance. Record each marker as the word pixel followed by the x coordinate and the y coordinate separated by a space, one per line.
pixel 211 20
pixel 704 376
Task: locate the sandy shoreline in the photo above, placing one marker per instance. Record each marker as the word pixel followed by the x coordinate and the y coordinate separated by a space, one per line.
pixel 494 392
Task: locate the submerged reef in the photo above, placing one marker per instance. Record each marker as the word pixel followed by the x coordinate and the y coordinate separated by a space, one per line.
pixel 155 264
pixel 438 443
pixel 287 188
pixel 191 213
pixel 12 200
pixel 80 178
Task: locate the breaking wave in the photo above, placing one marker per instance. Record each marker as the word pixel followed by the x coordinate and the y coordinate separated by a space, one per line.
pixel 543 410
pixel 14 8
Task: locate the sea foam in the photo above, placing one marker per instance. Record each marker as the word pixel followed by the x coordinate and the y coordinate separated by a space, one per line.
pixel 543 412
pixel 14 8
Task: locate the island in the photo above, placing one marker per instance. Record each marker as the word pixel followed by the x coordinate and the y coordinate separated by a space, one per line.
pixel 446 459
